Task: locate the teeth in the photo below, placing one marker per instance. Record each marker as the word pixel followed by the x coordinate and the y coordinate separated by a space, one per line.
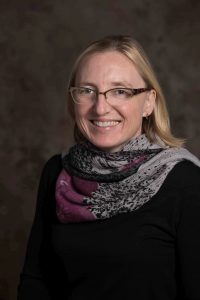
pixel 105 124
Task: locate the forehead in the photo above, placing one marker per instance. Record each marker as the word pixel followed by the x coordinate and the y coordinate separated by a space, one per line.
pixel 108 58
pixel 109 65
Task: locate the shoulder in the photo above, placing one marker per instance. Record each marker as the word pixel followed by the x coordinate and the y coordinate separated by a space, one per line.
pixel 51 169
pixel 185 178
pixel 180 193
pixel 53 162
pixel 185 174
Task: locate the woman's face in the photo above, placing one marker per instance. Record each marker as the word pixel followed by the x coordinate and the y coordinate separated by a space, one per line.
pixel 107 126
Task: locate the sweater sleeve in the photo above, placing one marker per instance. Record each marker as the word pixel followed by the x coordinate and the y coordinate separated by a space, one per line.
pixel 188 237
pixel 41 264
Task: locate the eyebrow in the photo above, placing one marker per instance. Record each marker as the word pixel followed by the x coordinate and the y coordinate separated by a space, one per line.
pixel 121 83
pixel 113 83
pixel 84 83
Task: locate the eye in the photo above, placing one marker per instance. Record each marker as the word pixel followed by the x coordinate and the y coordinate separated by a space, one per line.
pixel 85 91
pixel 122 92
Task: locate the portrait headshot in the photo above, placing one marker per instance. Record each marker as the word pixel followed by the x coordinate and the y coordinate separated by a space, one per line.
pixel 100 148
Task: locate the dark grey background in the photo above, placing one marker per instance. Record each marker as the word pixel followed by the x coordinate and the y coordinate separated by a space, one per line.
pixel 39 41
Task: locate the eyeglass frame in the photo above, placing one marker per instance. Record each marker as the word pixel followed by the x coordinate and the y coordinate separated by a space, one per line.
pixel 134 91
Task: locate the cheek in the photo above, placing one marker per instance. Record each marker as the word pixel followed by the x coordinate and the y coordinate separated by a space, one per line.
pixel 83 110
pixel 81 119
pixel 133 111
pixel 80 112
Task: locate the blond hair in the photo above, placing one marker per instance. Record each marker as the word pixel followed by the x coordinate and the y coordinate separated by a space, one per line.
pixel 157 126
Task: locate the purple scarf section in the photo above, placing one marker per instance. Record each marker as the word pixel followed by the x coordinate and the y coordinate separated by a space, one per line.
pixel 70 193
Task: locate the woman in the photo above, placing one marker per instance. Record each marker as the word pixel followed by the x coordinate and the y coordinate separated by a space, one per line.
pixel 118 216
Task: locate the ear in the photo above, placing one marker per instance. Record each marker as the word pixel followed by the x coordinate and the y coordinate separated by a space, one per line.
pixel 149 103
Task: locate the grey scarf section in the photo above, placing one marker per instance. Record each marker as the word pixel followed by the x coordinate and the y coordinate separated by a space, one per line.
pixel 124 193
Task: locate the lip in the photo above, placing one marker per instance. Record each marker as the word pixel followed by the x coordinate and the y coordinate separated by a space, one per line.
pixel 105 123
pixel 105 127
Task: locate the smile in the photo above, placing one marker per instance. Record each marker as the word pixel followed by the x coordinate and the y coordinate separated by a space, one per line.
pixel 105 123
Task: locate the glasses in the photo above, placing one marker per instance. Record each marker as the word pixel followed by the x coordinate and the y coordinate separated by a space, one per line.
pixel 115 96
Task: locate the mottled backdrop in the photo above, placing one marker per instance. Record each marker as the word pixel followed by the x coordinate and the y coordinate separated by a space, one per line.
pixel 38 42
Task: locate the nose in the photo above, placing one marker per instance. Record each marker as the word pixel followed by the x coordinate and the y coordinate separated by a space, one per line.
pixel 101 106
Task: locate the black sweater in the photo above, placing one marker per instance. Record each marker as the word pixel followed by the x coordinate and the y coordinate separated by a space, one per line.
pixel 149 254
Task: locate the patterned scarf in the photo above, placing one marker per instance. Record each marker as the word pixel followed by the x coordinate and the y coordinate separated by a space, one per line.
pixel 95 184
